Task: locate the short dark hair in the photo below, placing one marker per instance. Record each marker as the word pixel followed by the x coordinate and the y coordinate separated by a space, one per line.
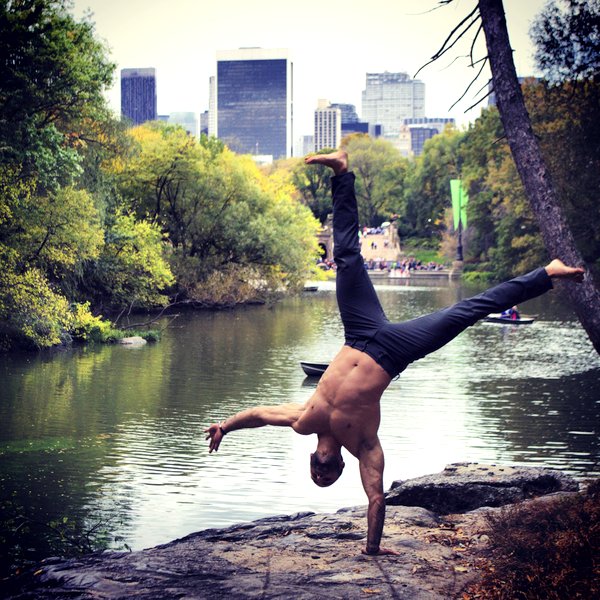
pixel 330 463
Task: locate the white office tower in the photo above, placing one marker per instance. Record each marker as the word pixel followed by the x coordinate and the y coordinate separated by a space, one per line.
pixel 389 98
pixel 328 126
pixel 212 106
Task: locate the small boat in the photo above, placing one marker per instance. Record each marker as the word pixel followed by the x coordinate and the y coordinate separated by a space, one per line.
pixel 313 369
pixel 498 318
pixel 311 288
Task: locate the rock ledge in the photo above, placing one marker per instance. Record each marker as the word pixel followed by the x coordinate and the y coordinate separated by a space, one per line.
pixel 309 556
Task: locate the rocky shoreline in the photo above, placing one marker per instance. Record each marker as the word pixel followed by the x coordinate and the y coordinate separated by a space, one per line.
pixel 437 523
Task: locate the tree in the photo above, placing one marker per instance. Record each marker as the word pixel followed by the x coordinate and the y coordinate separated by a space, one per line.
pixel 380 171
pixel 534 174
pixel 566 120
pixel 55 132
pixel 558 237
pixel 483 148
pixel 567 39
pixel 427 189
pixel 232 228
pixel 503 232
pixel 314 184
pixel 52 76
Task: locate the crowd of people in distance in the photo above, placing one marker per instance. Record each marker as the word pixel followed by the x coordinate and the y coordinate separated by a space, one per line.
pixel 400 266
pixel 412 264
pixel 373 230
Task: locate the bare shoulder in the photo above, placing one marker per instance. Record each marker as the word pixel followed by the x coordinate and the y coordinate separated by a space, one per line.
pixel 314 416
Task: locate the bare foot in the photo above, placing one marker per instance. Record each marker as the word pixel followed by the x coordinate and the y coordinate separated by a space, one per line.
pixel 338 161
pixel 559 270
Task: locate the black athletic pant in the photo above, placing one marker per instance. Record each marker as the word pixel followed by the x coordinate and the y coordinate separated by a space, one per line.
pixel 395 345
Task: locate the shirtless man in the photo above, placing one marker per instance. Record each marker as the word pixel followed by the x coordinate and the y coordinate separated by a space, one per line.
pixel 344 410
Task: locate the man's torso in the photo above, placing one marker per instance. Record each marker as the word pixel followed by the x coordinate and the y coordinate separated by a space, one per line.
pixel 346 402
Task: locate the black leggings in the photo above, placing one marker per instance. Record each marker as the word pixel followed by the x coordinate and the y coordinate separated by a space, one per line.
pixel 395 345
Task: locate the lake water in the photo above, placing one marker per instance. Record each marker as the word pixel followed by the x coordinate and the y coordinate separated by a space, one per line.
pixel 115 434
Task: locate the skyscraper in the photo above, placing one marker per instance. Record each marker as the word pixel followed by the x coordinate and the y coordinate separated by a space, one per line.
pixel 138 95
pixel 254 101
pixel 328 126
pixel 389 98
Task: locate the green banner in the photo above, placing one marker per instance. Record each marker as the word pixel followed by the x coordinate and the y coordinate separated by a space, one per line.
pixel 459 202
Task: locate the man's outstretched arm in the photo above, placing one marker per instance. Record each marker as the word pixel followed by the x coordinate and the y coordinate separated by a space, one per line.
pixel 371 464
pixel 283 415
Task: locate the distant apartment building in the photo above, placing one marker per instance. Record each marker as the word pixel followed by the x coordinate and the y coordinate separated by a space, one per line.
pixel 438 123
pixel 328 126
pixel 389 98
pixel 423 129
pixel 138 95
pixel 252 97
pixel 418 137
pixel 212 106
pixel 204 120
pixel 348 111
pixel 359 127
pixel 304 145
pixel 187 120
pixel 351 122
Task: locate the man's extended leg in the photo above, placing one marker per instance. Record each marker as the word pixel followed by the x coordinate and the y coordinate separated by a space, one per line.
pixel 414 339
pixel 360 309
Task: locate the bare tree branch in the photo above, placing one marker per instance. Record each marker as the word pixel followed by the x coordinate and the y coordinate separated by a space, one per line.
pixel 478 100
pixel 474 41
pixel 472 82
pixel 446 46
pixel 154 319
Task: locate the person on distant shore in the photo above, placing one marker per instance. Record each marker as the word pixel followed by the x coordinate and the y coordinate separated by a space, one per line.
pixel 344 410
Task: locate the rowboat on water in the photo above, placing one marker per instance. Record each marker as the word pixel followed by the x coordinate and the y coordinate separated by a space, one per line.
pixel 498 318
pixel 313 369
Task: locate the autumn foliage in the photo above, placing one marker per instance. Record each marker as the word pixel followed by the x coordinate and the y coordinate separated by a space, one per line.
pixel 548 549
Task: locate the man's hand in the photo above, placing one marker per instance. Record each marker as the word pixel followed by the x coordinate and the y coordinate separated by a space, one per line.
pixel 381 552
pixel 215 434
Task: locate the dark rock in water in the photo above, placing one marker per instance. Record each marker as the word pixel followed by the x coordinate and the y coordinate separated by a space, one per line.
pixel 462 487
pixel 309 556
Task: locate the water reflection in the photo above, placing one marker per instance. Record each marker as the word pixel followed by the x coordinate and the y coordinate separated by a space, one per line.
pixel 115 433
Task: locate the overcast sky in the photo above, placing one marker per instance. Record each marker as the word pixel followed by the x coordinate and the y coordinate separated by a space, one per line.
pixel 332 44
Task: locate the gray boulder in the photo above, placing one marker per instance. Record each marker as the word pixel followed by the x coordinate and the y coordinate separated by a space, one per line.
pixel 462 487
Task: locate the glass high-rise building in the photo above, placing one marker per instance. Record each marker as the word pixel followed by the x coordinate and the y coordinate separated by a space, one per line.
pixel 253 93
pixel 138 95
pixel 389 98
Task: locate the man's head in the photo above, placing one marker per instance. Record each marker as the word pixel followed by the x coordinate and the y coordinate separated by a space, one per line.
pixel 325 469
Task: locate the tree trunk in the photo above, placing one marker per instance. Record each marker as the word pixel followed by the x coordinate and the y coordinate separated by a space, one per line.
pixel 542 196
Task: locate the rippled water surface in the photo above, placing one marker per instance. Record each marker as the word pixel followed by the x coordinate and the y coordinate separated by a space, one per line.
pixel 114 434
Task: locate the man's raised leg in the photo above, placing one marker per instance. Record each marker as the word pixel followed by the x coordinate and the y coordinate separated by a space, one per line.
pixel 359 306
pixel 423 335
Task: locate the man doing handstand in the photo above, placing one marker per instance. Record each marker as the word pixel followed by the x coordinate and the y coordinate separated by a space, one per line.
pixel 344 410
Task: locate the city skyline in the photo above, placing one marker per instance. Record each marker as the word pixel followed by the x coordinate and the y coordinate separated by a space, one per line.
pixel 332 50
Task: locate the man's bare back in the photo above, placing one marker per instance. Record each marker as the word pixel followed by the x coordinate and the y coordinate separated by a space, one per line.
pixel 346 401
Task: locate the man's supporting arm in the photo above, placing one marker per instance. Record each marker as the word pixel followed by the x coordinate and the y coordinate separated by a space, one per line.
pixel 283 415
pixel 371 464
